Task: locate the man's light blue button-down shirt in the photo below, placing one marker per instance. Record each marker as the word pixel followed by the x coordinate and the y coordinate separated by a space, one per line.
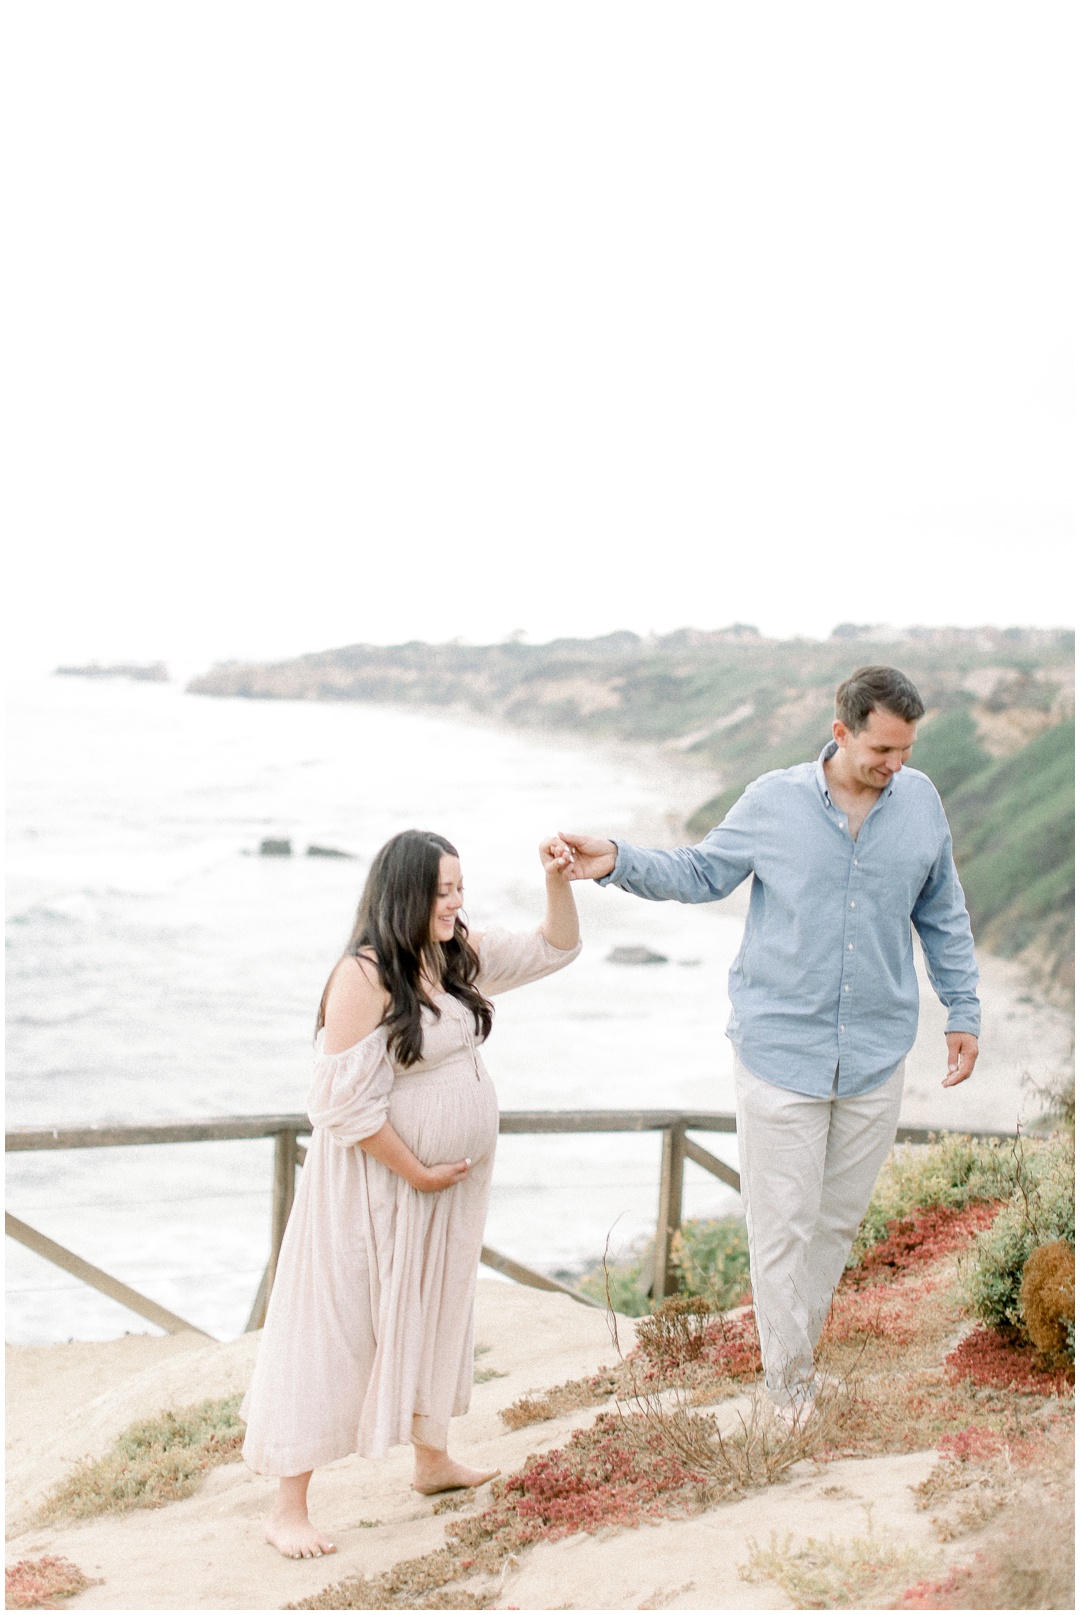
pixel 824 984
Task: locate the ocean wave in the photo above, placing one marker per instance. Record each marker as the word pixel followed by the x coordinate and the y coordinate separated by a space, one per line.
pixel 68 886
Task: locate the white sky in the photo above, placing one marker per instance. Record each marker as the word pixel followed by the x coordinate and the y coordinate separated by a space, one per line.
pixel 337 322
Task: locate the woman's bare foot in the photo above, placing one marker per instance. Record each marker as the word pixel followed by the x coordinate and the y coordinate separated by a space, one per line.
pixel 290 1531
pixel 437 1472
pixel 297 1538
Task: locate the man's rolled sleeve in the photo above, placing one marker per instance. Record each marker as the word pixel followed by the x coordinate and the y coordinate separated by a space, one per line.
pixel 941 919
pixel 623 850
pixel 700 874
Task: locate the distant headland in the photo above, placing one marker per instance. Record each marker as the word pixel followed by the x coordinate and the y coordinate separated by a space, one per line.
pixel 150 672
pixel 997 740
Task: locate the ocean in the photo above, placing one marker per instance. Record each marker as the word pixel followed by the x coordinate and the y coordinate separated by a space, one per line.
pixel 159 968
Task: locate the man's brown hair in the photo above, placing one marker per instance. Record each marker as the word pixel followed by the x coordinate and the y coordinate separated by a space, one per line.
pixel 870 687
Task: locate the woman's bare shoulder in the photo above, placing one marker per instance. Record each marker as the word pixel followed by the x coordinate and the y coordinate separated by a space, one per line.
pixel 355 1002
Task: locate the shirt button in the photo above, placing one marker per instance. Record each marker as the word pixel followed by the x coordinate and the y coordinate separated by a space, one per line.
pixel 843 1028
pixel 847 989
pixel 850 947
pixel 856 862
pixel 852 902
pixel 840 822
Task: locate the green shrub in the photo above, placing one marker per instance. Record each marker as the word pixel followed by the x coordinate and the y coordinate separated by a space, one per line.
pixel 713 1261
pixel 624 1283
pixel 1042 1208
pixel 953 1171
pixel 710 1257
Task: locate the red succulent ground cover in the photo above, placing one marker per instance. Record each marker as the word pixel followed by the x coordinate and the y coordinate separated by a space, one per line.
pixel 977 1444
pixel 987 1358
pixel 940 1592
pixel 689 1348
pixel 37 1583
pixel 598 1478
pixel 912 1242
pixel 730 1347
pixel 877 1311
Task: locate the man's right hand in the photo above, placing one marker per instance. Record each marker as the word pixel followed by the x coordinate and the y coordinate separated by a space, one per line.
pixel 591 856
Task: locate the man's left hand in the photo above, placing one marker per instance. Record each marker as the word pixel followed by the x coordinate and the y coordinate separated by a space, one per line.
pixel 963 1052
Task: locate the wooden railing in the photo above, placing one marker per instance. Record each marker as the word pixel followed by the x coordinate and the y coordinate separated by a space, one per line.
pixel 677 1148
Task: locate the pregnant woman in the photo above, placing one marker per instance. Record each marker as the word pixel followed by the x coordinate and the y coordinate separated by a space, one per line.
pixel 369 1334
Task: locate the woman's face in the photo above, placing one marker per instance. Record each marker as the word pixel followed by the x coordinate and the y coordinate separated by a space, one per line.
pixel 451 896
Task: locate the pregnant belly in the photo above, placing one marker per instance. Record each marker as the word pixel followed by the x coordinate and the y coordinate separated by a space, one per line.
pixel 446 1115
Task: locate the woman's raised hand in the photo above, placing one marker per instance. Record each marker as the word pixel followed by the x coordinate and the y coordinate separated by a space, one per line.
pixel 560 924
pixel 556 856
pixel 431 1179
pixel 584 857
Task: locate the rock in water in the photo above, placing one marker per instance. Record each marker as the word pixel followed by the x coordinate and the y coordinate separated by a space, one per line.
pixel 636 956
pixel 271 848
pixel 328 852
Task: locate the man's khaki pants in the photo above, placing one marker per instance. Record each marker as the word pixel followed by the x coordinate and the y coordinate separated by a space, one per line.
pixel 808 1168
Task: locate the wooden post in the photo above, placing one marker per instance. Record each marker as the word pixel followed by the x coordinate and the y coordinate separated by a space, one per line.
pixel 665 1279
pixel 286 1151
pixel 284 1190
pixel 257 1315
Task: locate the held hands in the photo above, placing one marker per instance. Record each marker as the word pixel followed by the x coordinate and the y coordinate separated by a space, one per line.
pixel 963 1052
pixel 577 857
pixel 430 1179
pixel 556 857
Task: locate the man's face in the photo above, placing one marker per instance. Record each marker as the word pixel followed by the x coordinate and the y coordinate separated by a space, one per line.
pixel 877 752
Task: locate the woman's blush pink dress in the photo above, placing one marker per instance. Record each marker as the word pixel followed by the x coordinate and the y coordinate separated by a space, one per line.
pixel 369 1333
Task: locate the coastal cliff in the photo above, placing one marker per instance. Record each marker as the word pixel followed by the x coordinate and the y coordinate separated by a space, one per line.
pixel 998 738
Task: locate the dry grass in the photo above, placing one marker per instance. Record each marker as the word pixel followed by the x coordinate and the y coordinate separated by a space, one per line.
pixel 1029 1565
pixel 862 1573
pixel 562 1399
pixel 153 1462
pixel 981 1471
pixel 481 1376
pixel 757 1453
pixel 413 1584
pixel 41 1583
pixel 683 1346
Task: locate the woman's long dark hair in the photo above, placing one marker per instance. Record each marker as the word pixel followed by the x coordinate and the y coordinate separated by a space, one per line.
pixel 393 921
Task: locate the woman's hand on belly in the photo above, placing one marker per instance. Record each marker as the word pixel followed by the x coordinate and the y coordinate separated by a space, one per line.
pixel 433 1178
pixel 390 1148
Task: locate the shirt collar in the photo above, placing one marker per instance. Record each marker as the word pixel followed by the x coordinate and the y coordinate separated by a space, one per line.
pixel 828 751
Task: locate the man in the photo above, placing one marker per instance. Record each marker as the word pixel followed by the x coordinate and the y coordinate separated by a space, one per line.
pixel 846 855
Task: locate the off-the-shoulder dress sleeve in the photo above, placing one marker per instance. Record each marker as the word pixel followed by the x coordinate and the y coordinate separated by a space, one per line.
pixel 512 958
pixel 350 1091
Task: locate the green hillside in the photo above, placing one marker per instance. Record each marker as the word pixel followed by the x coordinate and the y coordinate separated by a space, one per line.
pixel 1014 829
pixel 997 739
